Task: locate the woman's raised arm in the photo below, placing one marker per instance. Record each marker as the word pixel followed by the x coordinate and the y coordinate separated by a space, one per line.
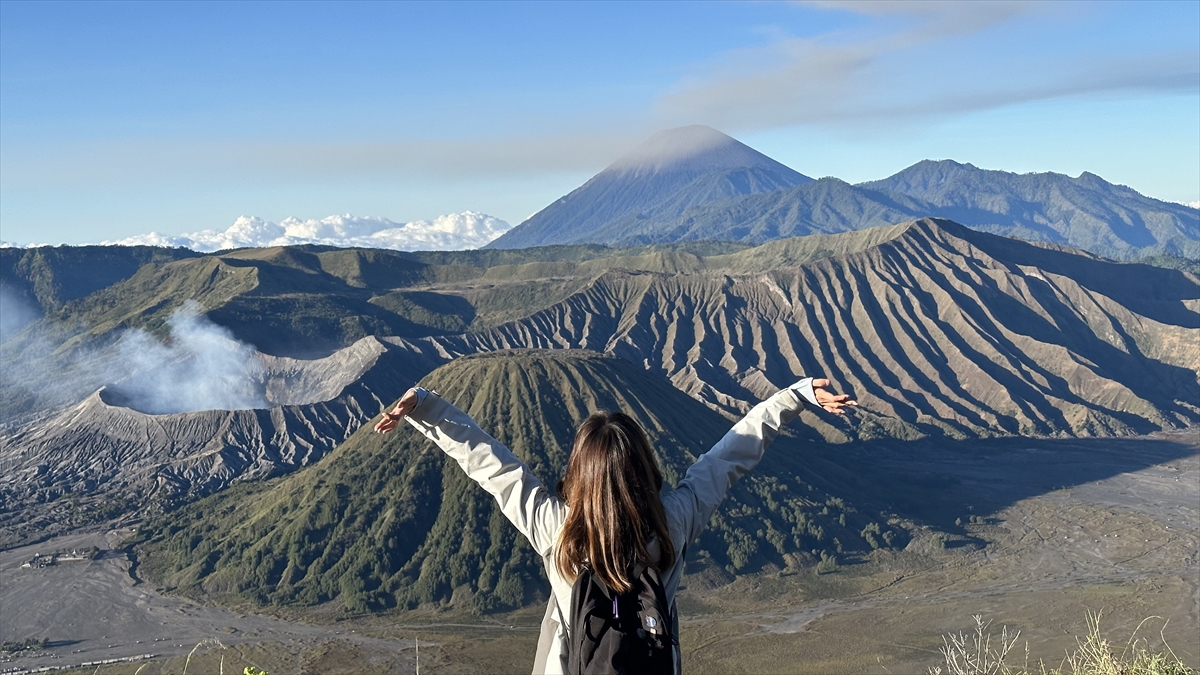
pixel 740 450
pixel 523 499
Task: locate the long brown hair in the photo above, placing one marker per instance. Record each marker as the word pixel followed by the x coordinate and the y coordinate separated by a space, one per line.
pixel 611 488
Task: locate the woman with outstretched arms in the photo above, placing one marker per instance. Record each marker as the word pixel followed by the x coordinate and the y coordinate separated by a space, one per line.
pixel 611 512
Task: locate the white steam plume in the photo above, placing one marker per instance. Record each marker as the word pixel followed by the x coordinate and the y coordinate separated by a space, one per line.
pixel 202 367
pixel 15 312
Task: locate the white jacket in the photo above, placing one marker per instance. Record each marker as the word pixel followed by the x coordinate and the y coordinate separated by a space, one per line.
pixel 539 514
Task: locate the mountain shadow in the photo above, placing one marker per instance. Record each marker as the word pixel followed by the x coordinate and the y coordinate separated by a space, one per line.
pixel 947 484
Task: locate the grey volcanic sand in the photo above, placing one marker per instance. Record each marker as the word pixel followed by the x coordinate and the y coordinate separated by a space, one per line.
pixel 90 611
pixel 1132 535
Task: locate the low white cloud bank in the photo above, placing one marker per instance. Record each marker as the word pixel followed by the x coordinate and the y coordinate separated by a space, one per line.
pixel 456 231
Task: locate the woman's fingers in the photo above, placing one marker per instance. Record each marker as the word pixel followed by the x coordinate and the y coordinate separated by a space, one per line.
pixel 831 402
pixel 838 404
pixel 825 397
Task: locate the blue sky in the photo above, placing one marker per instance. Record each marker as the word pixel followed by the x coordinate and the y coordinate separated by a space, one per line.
pixel 121 118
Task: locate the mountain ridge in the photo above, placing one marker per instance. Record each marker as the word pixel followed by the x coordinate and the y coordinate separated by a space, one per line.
pixel 708 306
pixel 628 204
pixel 918 272
pixel 1087 212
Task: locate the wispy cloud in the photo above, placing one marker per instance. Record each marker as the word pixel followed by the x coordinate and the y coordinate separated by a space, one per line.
pixel 906 62
pixel 101 163
pixel 910 61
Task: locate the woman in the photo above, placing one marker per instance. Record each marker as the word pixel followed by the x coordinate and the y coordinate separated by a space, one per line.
pixel 612 510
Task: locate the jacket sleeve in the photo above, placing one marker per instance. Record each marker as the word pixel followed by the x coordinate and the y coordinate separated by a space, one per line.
pixel 522 498
pixel 739 451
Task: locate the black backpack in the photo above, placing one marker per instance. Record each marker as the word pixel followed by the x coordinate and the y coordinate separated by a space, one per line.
pixel 620 633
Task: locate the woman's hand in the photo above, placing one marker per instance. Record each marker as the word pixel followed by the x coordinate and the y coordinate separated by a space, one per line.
pixel 834 403
pixel 407 404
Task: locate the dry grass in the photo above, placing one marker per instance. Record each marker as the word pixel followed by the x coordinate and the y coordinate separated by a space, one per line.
pixel 982 653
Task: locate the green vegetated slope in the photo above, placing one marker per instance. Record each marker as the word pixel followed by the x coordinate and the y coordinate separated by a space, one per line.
pixel 938 329
pixel 50 276
pixel 388 521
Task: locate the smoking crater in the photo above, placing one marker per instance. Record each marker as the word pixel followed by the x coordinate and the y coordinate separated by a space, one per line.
pixel 202 366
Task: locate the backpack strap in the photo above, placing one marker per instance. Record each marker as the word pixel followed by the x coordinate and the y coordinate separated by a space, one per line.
pixel 654 615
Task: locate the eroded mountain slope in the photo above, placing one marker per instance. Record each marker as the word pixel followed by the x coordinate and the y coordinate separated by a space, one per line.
pixel 938 330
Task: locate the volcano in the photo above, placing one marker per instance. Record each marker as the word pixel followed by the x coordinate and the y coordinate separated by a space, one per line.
pixel 100 458
pixel 672 171
pixel 388 521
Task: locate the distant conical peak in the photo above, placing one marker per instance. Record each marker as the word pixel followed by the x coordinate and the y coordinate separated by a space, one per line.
pixel 696 147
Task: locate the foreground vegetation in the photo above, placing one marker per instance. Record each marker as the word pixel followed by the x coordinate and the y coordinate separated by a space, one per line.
pixel 984 653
